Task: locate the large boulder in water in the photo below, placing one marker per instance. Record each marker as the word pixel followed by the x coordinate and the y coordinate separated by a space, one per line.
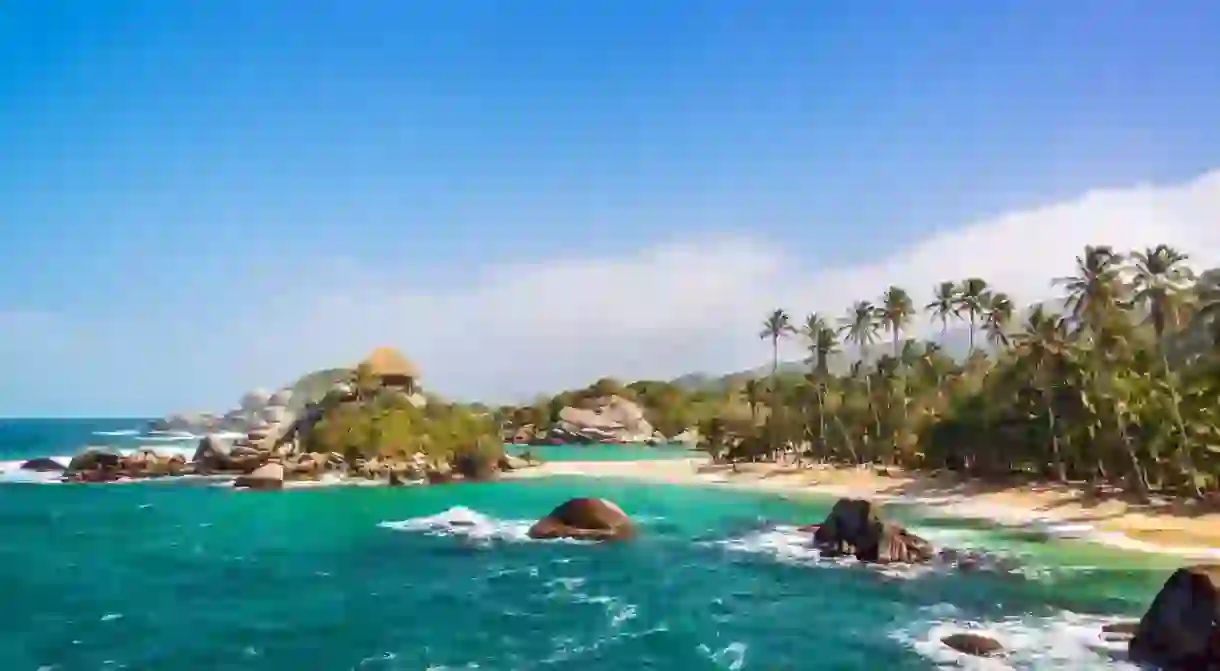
pixel 42 465
pixel 854 527
pixel 585 519
pixel 269 476
pixel 1181 629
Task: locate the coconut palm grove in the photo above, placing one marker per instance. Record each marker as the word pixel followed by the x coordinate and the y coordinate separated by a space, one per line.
pixel 1117 382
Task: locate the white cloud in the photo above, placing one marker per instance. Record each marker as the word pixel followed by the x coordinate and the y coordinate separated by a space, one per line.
pixel 698 306
pixel 660 312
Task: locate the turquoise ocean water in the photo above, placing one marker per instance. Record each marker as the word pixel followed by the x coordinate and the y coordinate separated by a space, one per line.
pixel 185 577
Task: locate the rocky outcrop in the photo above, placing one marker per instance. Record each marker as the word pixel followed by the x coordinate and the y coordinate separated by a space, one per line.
pixel 94 465
pixel 1181 629
pixel 259 410
pixel 269 476
pixel 585 519
pixel 854 527
pixel 602 420
pixel 42 465
pixel 973 644
pixel 94 459
pixel 473 466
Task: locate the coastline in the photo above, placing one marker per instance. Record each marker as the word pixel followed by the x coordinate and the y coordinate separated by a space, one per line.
pixel 1169 528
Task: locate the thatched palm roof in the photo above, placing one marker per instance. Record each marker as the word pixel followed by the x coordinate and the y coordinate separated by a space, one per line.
pixel 387 361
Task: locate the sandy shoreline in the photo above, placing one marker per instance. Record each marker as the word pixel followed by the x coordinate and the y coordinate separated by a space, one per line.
pixel 1171 528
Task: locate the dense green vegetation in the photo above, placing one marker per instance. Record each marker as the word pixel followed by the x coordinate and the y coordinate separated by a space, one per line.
pixel 384 423
pixel 1118 382
pixel 1122 387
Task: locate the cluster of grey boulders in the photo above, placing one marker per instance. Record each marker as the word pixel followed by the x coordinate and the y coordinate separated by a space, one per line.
pixel 259 412
pixel 610 419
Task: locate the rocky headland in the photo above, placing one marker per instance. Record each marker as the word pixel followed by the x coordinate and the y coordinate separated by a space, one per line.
pixel 370 424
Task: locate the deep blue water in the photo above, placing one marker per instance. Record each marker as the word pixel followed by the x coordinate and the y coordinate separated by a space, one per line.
pixel 185 577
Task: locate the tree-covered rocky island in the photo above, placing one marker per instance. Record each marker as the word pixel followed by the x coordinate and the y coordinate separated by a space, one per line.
pixel 372 422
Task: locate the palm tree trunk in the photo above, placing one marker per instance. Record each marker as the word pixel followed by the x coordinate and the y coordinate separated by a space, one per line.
pixel 1175 404
pixel 1057 458
pixel 1137 471
pixel 822 418
pixel 772 420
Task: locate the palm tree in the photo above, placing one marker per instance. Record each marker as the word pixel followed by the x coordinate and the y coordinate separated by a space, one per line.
pixel 996 319
pixel 895 313
pixel 822 341
pixel 777 325
pixel 860 326
pixel 971 299
pixel 1095 291
pixel 1043 343
pixel 752 393
pixel 1160 281
pixel 1207 292
pixel 943 306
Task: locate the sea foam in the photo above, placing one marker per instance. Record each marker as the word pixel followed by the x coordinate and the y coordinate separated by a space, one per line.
pixel 1064 641
pixel 464 522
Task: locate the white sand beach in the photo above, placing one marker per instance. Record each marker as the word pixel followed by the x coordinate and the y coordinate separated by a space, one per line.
pixel 1170 527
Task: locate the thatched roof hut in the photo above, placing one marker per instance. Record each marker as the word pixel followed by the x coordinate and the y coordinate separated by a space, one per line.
pixel 391 366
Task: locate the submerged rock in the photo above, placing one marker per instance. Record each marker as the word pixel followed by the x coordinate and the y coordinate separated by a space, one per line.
pixel 854 527
pixel 42 465
pixel 1181 629
pixel 586 519
pixel 973 644
pixel 269 476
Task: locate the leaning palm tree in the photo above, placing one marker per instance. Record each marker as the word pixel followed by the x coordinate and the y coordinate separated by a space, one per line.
pixel 1160 285
pixel 943 306
pixel 971 299
pixel 996 319
pixel 1095 291
pixel 1160 280
pixel 895 313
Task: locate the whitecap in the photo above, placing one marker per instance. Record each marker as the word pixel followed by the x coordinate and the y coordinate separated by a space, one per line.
pixel 463 522
pixel 785 543
pixel 124 432
pixel 732 657
pixel 11 471
pixel 177 436
pixel 1064 641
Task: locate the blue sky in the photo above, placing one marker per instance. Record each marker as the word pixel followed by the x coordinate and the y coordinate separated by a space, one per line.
pixel 201 196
